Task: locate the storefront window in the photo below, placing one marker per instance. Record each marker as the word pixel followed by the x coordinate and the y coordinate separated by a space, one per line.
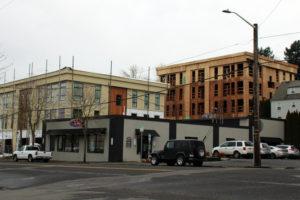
pixel 96 143
pixel 68 143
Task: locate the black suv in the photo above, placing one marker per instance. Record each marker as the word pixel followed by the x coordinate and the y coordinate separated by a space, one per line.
pixel 180 152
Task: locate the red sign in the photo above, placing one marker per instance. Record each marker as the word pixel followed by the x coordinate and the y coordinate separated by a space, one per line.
pixel 76 123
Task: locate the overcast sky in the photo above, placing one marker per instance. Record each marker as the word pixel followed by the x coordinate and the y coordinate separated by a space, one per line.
pixel 146 33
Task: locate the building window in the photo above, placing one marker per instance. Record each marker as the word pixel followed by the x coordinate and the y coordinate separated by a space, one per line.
pixel 250 69
pixel 277 75
pixel 78 91
pixel 226 71
pixel 250 87
pixel 97 93
pixel 63 91
pixel 284 76
pixel 270 95
pixel 233 106
pixel 216 90
pixel 162 78
pixel 167 110
pixel 180 78
pixel 200 109
pixel 240 105
pixel 193 108
pixel 53 114
pixel 225 106
pixel 240 69
pixel 250 105
pixel 96 143
pixel 40 95
pixel 216 108
pixel 240 88
pixel 173 79
pixel 193 76
pixel 77 113
pixel 157 101
pixel 180 93
pixel 5 100
pixel 71 143
pixel 61 113
pixel 232 71
pixel 48 93
pixel 134 98
pixel 278 108
pixel 52 142
pixel 61 143
pixel 118 100
pixel 146 100
pixel 232 88
pixel 201 75
pixel 173 110
pixel 201 92
pixel 216 73
pixel 180 109
pixel 226 89
pixel 193 92
pixel 54 92
pixel 47 114
pixel 291 77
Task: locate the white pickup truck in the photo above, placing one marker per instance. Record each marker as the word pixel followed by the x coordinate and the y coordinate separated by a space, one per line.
pixel 31 153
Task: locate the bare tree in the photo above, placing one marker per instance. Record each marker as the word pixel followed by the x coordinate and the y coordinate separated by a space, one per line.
pixel 84 102
pixel 135 72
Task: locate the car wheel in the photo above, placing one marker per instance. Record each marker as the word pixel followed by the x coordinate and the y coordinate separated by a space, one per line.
pixel 216 154
pixel 236 154
pixel 30 158
pixel 273 156
pixel 15 158
pixel 180 161
pixel 154 160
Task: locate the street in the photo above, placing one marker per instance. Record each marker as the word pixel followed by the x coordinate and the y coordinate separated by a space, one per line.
pixel 232 179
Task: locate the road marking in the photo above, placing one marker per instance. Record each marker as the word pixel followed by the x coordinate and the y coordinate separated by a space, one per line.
pixel 89 167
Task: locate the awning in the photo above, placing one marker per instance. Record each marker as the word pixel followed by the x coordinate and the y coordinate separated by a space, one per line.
pixel 153 133
pixel 76 131
pixel 271 140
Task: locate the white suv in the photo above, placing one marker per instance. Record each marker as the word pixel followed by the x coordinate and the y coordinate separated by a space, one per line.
pixel 234 148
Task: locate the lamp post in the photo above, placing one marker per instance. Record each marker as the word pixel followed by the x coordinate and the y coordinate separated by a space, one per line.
pixel 257 160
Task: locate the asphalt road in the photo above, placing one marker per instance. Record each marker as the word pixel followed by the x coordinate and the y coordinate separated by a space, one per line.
pixel 232 179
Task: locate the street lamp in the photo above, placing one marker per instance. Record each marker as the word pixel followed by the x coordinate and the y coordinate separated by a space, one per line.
pixel 257 161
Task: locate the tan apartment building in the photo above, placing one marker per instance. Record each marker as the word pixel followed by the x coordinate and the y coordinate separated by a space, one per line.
pixel 220 87
pixel 66 94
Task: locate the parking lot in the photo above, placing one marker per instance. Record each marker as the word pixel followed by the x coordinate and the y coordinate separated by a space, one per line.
pixel 229 179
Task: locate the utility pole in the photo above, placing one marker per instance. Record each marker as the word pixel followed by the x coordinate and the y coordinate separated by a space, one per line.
pixel 148 94
pixel 257 159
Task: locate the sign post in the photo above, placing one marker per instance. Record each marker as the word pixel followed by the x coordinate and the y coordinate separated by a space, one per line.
pixel 149 145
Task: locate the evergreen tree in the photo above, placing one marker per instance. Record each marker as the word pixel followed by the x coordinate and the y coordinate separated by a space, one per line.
pixel 266 52
pixel 292 55
pixel 265 108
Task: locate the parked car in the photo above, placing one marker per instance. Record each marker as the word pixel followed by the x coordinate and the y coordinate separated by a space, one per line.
pixel 31 153
pixel 293 152
pixel 180 152
pixel 234 148
pixel 265 150
pixel 278 152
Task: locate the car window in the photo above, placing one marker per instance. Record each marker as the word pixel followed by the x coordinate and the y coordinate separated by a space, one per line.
pixel 265 145
pixel 30 148
pixel 170 145
pixel 224 145
pixel 248 144
pixel 239 144
pixel 181 144
pixel 231 144
pixel 283 147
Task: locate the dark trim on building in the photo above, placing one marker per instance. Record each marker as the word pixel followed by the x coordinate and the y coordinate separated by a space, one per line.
pixel 116 135
pixel 172 130
pixel 215 135
pixel 75 131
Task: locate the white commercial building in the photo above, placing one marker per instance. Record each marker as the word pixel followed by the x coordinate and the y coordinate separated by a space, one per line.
pixel 286 98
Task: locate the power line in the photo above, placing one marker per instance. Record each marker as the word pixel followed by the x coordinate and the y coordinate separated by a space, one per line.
pixel 270 13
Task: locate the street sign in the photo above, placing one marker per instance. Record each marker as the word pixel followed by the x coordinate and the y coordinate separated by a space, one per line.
pixel 141 128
